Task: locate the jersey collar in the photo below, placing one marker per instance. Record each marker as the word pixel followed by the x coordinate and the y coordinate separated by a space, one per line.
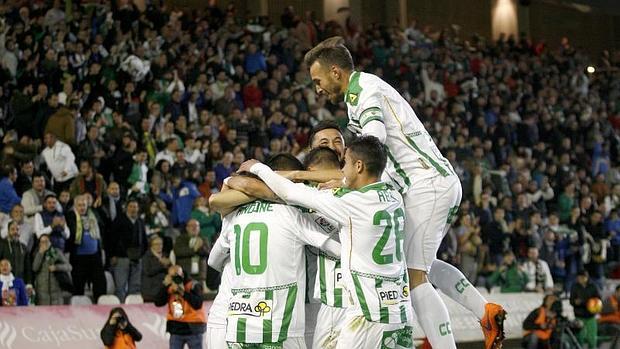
pixel 354 89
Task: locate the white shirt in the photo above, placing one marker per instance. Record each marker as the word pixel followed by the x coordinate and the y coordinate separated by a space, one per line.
pixel 59 159
pixel 412 153
pixel 530 270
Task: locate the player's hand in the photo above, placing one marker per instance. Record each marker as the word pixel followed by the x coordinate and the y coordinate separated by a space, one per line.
pixel 334 183
pixel 245 167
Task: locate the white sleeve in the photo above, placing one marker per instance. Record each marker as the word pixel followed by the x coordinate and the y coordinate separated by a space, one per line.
pixel 320 201
pixel 5 230
pixel 312 234
pixel 69 159
pixel 375 128
pixel 65 232
pixel 548 277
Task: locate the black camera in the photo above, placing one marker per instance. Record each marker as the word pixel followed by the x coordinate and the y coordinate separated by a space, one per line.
pixel 121 320
pixel 177 280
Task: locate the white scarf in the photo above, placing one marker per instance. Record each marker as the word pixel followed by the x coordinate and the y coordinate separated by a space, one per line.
pixel 7 281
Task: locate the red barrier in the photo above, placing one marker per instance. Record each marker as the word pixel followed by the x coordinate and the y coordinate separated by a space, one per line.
pixel 78 327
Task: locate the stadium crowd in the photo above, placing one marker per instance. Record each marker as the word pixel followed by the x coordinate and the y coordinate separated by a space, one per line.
pixel 119 122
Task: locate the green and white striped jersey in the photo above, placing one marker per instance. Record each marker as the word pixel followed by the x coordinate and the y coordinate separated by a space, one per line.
pixel 412 153
pixel 266 242
pixel 328 287
pixel 371 221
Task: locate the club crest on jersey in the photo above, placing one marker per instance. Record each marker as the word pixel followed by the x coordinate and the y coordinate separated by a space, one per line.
pixel 353 98
pixel 246 308
pixel 325 225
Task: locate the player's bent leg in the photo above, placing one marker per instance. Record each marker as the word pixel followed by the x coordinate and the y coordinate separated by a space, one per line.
pixel 216 338
pixel 429 207
pixel 357 332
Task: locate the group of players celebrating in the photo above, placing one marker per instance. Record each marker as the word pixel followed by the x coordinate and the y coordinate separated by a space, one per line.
pixel 340 252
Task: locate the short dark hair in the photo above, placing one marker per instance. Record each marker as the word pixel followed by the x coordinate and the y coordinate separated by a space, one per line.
pixel 284 162
pixel 49 196
pixel 371 152
pixel 322 155
pixel 330 51
pixel 323 125
pixel 8 170
pixel 36 174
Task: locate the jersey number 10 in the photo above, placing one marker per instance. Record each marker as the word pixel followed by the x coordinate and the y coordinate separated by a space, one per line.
pixel 242 248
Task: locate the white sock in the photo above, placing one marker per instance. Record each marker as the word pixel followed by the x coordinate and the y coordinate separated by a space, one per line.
pixel 455 285
pixel 433 316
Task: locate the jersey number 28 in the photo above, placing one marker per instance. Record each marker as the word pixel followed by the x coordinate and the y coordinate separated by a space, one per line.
pixel 242 248
pixel 393 223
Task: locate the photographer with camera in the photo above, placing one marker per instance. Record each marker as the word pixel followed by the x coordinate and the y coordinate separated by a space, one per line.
pixel 118 332
pixel 540 324
pixel 186 320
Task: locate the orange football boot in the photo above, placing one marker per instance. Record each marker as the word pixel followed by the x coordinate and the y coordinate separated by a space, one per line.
pixel 493 326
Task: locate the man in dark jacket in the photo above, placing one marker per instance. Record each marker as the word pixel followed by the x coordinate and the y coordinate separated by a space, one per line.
pixel 127 245
pixel 17 253
pixel 186 321
pixel 191 252
pixel 582 291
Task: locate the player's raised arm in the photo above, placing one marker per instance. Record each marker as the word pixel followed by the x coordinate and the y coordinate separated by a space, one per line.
pixel 226 201
pixel 322 202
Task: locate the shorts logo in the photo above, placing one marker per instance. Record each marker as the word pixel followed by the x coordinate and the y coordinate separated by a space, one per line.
pixel 250 308
pixel 405 291
pixel 444 329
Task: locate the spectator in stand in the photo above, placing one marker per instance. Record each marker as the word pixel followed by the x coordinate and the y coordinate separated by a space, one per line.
pixel 154 268
pixel 138 179
pixel 157 224
pixel 254 60
pixel 92 148
pixel 510 276
pixel 60 161
pixel 191 252
pixel 469 242
pixel 210 222
pixel 13 289
pixel 127 245
pixel 496 233
pixel 8 195
pixel 537 271
pixel 62 125
pixel 169 153
pixel 209 185
pixel 25 178
pixel 49 262
pixel 52 222
pixel 88 181
pixel 32 200
pixel 85 248
pixel 225 168
pixel 184 192
pixel 25 229
pixel 582 291
pixel 17 253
